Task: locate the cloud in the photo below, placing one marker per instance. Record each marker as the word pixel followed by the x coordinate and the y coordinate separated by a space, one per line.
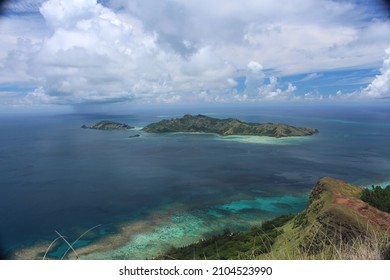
pixel 15 65
pixel 22 6
pixel 286 37
pixel 272 92
pixel 380 86
pixel 256 88
pixel 254 78
pixel 95 55
pixel 255 67
pixel 311 76
pixel 83 52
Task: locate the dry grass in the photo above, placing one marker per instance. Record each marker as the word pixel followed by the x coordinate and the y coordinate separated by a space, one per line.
pixel 372 245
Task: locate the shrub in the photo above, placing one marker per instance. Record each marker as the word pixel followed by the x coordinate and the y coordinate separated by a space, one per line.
pixel 378 197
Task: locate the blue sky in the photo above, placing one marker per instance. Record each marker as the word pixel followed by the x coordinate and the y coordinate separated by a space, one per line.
pixel 82 52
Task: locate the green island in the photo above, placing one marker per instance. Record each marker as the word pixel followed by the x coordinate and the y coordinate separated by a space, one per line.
pixel 337 224
pixel 225 127
pixel 108 125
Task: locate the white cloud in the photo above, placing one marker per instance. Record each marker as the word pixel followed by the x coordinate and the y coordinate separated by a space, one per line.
pixel 290 38
pixel 380 86
pixel 13 28
pixel 272 92
pixel 95 55
pixel 313 96
pixel 256 89
pixel 254 78
pixel 16 66
pixel 79 51
pixel 311 76
pixel 255 67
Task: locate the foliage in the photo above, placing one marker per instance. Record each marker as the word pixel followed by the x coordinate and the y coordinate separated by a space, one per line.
pixel 229 245
pixel 377 197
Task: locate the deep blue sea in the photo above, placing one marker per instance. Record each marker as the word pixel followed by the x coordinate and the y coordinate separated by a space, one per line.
pixel 172 189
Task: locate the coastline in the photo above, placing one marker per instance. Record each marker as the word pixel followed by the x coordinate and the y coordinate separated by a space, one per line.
pixel 266 140
pixel 174 226
pixel 250 139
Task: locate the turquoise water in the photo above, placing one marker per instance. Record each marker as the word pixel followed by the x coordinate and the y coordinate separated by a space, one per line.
pixel 157 191
pixel 272 204
pixel 267 140
pixel 185 228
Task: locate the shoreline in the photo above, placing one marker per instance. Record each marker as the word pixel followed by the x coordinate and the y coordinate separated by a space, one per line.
pixel 248 139
pixel 173 226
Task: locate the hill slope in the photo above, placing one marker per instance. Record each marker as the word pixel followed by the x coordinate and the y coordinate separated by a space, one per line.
pixel 335 225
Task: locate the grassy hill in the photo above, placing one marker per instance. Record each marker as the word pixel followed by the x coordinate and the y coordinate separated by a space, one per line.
pixel 336 224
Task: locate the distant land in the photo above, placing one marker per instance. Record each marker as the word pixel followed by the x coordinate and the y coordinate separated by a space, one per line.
pixel 108 125
pixel 336 224
pixel 225 127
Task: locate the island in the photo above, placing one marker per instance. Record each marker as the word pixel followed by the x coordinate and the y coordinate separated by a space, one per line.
pixel 108 125
pixel 225 127
pixel 134 136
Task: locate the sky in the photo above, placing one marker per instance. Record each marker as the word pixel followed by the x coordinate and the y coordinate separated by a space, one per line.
pixel 86 53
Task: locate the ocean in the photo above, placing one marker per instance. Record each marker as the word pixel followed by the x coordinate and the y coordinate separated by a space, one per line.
pixel 144 195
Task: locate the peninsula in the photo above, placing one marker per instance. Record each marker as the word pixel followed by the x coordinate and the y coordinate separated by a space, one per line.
pixel 225 127
pixel 108 125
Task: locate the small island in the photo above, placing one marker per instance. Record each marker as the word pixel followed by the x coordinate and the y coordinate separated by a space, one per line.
pixel 108 125
pixel 225 127
pixel 134 136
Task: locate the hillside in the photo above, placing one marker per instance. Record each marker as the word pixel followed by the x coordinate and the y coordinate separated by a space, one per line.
pixel 224 127
pixel 336 224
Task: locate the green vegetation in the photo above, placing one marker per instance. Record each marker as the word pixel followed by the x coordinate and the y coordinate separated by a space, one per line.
pixel 229 245
pixel 377 197
pixel 224 127
pixel 108 125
